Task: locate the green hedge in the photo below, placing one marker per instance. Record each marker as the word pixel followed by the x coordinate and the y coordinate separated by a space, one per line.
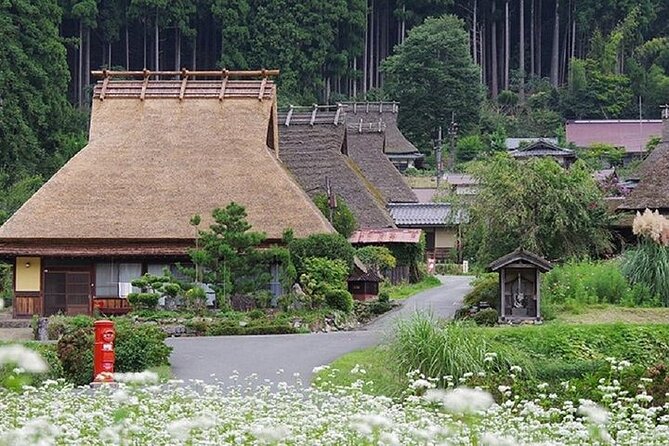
pixel 48 353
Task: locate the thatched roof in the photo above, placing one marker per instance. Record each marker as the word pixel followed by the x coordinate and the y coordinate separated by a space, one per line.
pixel 313 153
pixel 395 143
pixel 365 147
pixel 151 164
pixel 652 192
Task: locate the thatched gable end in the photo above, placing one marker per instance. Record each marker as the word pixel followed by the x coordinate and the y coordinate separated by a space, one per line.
pixel 152 164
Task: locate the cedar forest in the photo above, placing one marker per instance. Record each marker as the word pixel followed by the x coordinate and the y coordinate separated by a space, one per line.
pixel 536 62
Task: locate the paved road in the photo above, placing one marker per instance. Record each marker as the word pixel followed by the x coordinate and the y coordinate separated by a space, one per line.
pixel 218 357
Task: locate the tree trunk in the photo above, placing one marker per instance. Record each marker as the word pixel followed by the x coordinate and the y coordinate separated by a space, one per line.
pixel 144 30
pixel 371 47
pixel 177 48
pixel 532 19
pixel 193 65
pixel 484 61
pixel 493 58
pixel 127 49
pixel 365 58
pixel 474 36
pixel 507 45
pixel 87 62
pixel 354 84
pixel 555 55
pixel 156 47
pixel 539 71
pixel 521 50
pixel 80 71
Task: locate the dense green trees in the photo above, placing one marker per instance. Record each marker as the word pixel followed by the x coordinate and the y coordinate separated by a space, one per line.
pixel 557 213
pixel 38 127
pixel 433 75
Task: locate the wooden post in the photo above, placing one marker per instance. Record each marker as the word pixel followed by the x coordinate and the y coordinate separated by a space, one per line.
pixel 224 83
pixel 336 119
pixel 289 115
pixel 538 282
pixel 313 115
pixel 147 73
pixel 502 280
pixel 103 91
pixel 182 92
pixel 261 93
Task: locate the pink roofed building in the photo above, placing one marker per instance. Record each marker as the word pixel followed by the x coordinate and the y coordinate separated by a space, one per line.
pixel 631 135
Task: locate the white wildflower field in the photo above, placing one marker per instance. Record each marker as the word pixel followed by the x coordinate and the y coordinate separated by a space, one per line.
pixel 140 412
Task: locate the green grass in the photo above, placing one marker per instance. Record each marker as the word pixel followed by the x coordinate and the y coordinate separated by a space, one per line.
pixel 374 361
pixel 550 353
pixel 405 290
pixel 164 372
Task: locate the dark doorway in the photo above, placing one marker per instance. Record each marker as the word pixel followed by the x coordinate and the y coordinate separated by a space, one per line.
pixel 67 293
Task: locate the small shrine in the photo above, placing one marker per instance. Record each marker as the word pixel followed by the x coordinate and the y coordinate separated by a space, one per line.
pixel 520 284
pixel 363 283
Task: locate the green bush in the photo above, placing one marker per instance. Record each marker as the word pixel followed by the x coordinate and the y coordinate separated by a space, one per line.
pixel 339 300
pixel 196 298
pixel 329 246
pixel 379 258
pixel 228 329
pixel 48 353
pixel 137 348
pixel 485 288
pixel 343 218
pixel 448 268
pixel 322 275
pixel 384 297
pixel 143 301
pixel 487 317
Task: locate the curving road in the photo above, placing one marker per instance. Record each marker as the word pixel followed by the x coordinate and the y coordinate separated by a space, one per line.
pixel 279 357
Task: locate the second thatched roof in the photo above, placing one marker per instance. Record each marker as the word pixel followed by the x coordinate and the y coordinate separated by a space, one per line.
pixel 312 151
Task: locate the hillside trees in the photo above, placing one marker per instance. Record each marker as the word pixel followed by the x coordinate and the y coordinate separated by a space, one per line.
pixel 38 126
pixel 433 75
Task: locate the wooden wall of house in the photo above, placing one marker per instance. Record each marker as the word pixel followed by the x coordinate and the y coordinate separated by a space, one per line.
pixel 26 306
pixel 111 305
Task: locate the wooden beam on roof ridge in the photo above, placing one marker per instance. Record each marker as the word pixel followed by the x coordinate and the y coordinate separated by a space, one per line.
pixel 142 95
pixel 105 82
pixel 224 83
pixel 184 75
pixel 220 73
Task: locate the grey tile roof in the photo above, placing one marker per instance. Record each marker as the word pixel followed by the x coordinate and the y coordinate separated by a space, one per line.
pixel 425 214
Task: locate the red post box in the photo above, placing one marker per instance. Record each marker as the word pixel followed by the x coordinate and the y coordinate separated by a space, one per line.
pixel 103 351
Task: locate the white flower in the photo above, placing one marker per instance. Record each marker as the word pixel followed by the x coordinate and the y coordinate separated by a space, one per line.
pixel 357 369
pixel 320 368
pixel 26 359
pixel 389 439
pixel 516 369
pixel 422 384
pixel 270 434
pixel 593 412
pixel 464 399
pixel 145 377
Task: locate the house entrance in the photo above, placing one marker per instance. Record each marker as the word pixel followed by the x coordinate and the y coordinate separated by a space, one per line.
pixel 67 292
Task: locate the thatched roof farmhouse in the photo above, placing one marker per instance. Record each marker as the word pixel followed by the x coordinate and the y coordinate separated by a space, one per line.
pixel 652 192
pixel 312 144
pixel 159 152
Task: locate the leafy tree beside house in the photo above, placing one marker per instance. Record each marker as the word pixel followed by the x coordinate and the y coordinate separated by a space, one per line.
pixel 343 219
pixel 538 205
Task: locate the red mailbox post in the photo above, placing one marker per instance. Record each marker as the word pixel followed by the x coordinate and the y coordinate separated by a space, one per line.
pixel 103 351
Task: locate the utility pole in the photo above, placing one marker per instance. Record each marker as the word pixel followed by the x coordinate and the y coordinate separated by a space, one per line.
pixel 452 134
pixel 437 156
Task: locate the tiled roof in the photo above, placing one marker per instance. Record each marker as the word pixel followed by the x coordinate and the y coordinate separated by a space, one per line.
pixel 374 236
pixel 460 179
pixel 514 143
pixel 542 148
pixel 424 214
pixel 631 135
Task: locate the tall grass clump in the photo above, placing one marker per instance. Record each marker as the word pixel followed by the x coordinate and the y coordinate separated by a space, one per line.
pixel 450 349
pixel 581 283
pixel 647 265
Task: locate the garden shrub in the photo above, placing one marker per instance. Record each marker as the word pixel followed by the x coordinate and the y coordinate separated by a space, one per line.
pixel 328 246
pixel 648 265
pixel 143 301
pixel 379 258
pixel 339 299
pixel 263 298
pixel 196 298
pixel 448 268
pixel 485 288
pixel 48 353
pixel 322 275
pixel 137 348
pixel 384 297
pixel 487 317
